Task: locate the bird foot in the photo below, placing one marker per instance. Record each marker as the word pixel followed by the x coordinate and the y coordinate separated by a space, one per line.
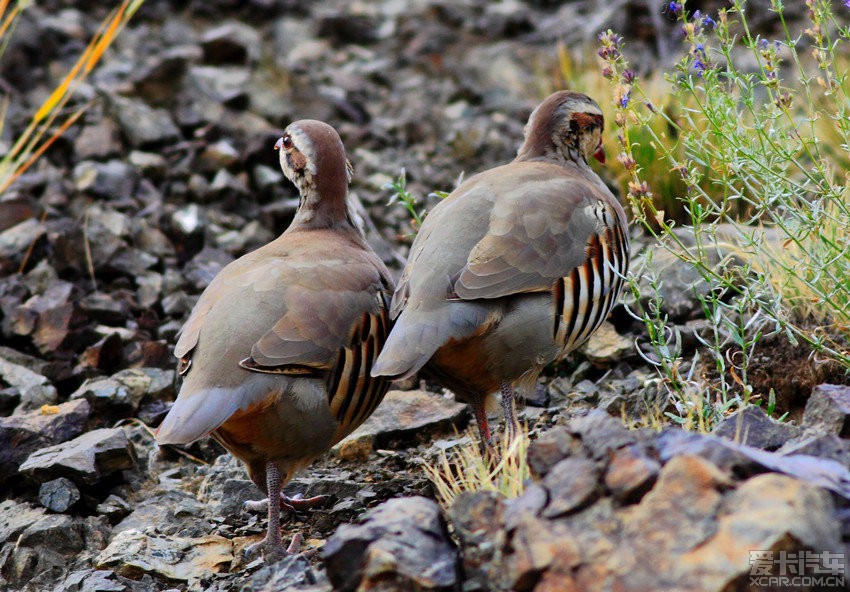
pixel 273 550
pixel 291 504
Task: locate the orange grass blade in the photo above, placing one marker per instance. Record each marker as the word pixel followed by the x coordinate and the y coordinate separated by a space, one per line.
pixel 40 150
pixel 106 38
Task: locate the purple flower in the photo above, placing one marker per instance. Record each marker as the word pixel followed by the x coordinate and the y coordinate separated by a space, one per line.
pixel 624 100
pixel 675 8
pixel 847 3
pixel 710 21
pixel 629 75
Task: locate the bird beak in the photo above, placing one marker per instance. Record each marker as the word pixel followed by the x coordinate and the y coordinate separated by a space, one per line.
pixel 279 144
pixel 600 153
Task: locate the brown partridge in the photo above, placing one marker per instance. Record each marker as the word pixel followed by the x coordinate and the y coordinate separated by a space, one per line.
pixel 516 268
pixel 276 353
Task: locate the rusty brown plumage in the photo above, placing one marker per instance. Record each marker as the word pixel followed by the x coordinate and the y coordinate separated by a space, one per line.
pixel 277 352
pixel 516 267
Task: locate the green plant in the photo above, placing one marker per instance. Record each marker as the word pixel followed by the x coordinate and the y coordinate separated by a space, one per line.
pixel 757 171
pixel 47 125
pixel 469 468
pixel 403 196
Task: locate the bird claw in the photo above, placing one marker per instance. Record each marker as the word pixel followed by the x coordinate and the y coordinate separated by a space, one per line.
pixel 272 550
pixel 290 504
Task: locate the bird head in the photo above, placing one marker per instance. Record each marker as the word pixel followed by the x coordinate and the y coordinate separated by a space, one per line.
pixel 567 125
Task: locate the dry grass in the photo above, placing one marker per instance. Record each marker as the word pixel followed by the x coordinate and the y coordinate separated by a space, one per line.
pixel 466 469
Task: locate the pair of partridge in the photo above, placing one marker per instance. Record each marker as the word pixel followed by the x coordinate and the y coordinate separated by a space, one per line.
pixel 276 354
pixel 514 269
pixel 517 267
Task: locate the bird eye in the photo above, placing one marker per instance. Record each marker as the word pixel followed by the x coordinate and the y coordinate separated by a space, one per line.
pixel 286 142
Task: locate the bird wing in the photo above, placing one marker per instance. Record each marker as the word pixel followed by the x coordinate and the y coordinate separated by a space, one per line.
pixel 538 231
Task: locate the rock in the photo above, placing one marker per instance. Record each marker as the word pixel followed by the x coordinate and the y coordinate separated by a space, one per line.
pixel 105 308
pixel 403 543
pixel 25 433
pixel 234 494
pixel 231 43
pixel 160 77
pixel 142 125
pixel 94 580
pixel 171 511
pixel 59 533
pixel 631 473
pixel 404 415
pixel 113 179
pixel 291 572
pixel 16 375
pixel 119 395
pixel 549 449
pixel 98 140
pixel 106 355
pixel 752 426
pixel 224 84
pixel 768 513
pixel 133 553
pixel 601 434
pixel 85 459
pixel 344 27
pixel 820 445
pixel 15 517
pixel 536 546
pixel 15 240
pixel 217 156
pixel 828 409
pixel 572 483
pixel 478 525
pixel 606 347
pixel 58 495
pixel 201 270
pixel 743 460
pixel 114 508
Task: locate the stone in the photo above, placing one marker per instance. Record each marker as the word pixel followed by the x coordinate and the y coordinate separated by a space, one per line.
pixel 820 445
pixel 405 415
pixel 828 409
pixel 61 533
pixel 601 434
pixel 142 125
pixel 606 347
pixel 743 460
pixel 132 553
pixel 58 495
pixel 120 394
pixel 549 449
pixel 15 517
pixel 113 179
pixel 631 473
pixel 216 156
pixel 204 266
pixel 93 580
pixel 478 526
pixel 85 460
pixel 536 546
pixel 15 240
pixel 115 508
pixel 752 426
pixel 234 494
pixel 231 43
pixel 402 543
pixel 25 433
pixel 224 84
pixel 17 375
pixel 98 140
pixel 290 572
pixel 572 484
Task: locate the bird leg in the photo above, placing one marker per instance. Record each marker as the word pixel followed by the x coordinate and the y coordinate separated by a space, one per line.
pixel 480 411
pixel 509 407
pixel 272 546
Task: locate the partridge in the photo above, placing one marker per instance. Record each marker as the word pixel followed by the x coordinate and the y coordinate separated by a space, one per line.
pixel 276 354
pixel 516 268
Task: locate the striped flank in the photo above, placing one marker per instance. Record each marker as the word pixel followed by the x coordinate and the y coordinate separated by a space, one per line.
pixel 584 298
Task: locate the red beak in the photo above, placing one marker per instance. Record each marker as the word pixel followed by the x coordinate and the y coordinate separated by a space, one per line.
pixel 600 153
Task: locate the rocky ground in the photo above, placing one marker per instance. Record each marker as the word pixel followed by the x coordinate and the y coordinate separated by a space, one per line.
pixel 107 241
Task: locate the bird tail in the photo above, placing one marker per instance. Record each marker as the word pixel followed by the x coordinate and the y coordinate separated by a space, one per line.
pixel 417 334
